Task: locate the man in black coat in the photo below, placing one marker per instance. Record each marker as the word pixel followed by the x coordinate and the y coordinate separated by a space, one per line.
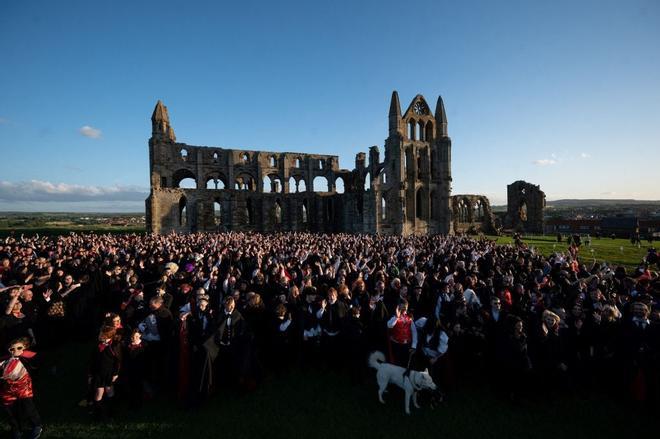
pixel 355 345
pixel 639 352
pixel 200 324
pixel 374 316
pixel 420 303
pixel 331 316
pixel 160 341
pixel 164 319
pixel 229 339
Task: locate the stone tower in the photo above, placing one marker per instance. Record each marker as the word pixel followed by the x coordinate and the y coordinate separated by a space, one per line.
pixel 413 185
pixel 525 204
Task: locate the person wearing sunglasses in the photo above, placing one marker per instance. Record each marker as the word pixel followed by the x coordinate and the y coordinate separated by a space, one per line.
pixel 16 394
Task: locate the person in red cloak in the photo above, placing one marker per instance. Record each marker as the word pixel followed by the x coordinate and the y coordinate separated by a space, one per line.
pixel 16 390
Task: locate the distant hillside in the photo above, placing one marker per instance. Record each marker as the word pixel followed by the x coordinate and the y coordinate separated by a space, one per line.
pixel 593 203
pixel 601 203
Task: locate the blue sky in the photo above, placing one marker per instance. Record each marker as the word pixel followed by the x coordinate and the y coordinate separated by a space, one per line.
pixel 565 94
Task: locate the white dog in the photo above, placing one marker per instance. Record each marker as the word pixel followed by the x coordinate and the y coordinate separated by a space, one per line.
pixel 390 373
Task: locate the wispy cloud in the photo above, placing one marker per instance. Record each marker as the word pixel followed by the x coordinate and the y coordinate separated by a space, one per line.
pixel 545 162
pixel 585 155
pixel 610 193
pixel 91 132
pixel 37 190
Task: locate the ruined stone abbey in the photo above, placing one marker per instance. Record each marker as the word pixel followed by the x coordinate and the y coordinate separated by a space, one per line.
pixel 200 188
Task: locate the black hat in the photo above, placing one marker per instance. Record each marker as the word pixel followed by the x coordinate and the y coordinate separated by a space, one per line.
pixel 309 291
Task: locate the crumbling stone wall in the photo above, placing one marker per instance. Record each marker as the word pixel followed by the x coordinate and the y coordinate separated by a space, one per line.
pixel 525 204
pixel 408 192
pixel 472 214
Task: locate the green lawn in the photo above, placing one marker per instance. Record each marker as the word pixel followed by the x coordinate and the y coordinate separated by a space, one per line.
pixel 613 251
pixel 326 405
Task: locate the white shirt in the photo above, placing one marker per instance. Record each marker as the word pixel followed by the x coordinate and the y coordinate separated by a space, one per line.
pixel 471 298
pixel 228 317
pixel 441 349
pixel 149 329
pixel 443 297
pixel 284 325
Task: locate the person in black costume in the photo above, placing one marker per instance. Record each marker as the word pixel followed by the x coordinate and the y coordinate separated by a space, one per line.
pixel 228 338
pixel 104 368
pixel 355 342
pixel 513 359
pixel 374 315
pixel 281 335
pixel 311 330
pixel 331 317
pixel 201 324
pixel 134 368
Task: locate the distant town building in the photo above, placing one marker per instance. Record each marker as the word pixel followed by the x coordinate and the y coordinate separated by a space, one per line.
pixel 620 226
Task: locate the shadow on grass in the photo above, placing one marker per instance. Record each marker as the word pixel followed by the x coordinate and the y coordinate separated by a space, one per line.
pixel 324 405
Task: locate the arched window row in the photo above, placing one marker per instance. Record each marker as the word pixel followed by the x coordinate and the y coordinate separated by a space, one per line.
pixel 420 130
pixel 271 183
pixel 471 210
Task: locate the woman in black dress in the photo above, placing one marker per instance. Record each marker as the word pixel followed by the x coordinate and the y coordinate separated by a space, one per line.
pixel 134 368
pixel 104 367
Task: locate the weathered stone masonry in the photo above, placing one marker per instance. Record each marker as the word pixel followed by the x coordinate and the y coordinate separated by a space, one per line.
pixel 408 192
pixel 525 204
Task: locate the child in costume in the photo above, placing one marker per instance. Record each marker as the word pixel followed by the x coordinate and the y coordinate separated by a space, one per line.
pixel 16 390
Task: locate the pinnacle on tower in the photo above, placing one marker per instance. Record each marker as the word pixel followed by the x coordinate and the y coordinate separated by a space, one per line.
pixel 160 123
pixel 160 113
pixel 440 119
pixel 395 114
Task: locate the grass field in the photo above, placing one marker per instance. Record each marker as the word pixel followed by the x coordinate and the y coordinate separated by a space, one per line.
pixel 326 405
pixel 63 223
pixel 613 251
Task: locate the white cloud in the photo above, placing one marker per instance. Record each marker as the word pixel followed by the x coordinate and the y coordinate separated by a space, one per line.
pixel 585 155
pixel 37 190
pixel 545 162
pixel 91 132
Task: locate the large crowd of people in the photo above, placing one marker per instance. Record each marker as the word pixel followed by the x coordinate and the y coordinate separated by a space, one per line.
pixel 199 314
